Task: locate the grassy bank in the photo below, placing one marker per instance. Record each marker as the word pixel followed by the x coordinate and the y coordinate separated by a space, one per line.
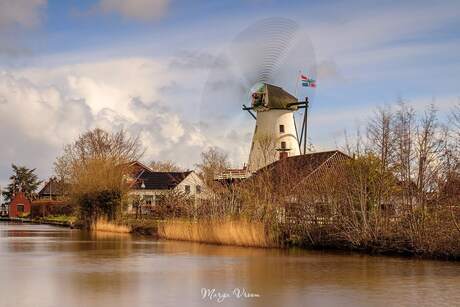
pixel 58 220
pixel 63 219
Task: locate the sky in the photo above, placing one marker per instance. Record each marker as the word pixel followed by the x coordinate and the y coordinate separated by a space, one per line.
pixel 147 65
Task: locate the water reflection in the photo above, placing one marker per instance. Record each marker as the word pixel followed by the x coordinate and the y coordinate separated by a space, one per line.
pixel 63 267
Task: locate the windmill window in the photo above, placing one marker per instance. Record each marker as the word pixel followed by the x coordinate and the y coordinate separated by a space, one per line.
pixel 198 189
pixel 283 145
pixel 281 128
pixel 187 189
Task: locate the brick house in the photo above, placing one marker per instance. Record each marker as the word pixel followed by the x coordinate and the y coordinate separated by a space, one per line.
pixel 19 206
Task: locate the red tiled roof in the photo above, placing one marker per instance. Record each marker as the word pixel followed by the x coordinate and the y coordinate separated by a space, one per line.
pixel 301 166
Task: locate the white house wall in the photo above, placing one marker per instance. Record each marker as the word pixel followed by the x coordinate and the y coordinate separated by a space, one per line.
pixel 192 180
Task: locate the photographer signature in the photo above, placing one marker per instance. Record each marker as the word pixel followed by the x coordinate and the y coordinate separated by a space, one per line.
pixel 220 296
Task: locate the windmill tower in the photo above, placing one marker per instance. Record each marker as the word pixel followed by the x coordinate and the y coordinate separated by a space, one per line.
pixel 257 61
pixel 275 134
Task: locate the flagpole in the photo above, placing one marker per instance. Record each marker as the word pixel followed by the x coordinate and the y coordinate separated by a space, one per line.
pixel 297 97
pixel 297 85
pixel 307 102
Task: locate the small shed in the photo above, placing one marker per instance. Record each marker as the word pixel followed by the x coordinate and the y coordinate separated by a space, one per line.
pixel 19 206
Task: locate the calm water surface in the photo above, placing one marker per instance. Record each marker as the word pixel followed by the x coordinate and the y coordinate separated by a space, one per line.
pixel 49 266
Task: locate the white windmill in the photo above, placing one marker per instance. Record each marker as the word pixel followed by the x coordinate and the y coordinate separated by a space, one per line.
pixel 275 134
pixel 261 59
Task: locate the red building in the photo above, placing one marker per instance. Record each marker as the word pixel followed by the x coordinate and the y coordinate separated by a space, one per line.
pixel 19 206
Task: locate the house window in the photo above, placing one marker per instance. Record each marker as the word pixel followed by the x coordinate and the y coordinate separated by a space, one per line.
pixel 20 208
pixel 148 200
pixel 283 145
pixel 198 189
pixel 281 128
pixel 187 189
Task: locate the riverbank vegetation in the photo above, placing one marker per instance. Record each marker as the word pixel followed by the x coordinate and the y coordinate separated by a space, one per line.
pixel 217 231
pixel 398 192
pixel 104 225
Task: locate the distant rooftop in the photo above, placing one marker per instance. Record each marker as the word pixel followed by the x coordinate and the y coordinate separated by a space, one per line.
pixel 304 164
pixel 149 180
pixel 301 166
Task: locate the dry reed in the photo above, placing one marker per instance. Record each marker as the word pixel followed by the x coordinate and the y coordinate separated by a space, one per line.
pixel 229 232
pixel 105 226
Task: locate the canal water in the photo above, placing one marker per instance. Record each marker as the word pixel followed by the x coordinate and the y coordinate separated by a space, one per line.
pixel 58 267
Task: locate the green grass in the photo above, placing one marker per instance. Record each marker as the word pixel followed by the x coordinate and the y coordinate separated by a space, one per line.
pixel 70 219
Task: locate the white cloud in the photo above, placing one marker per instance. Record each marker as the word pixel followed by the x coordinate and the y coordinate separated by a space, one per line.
pixel 40 112
pixel 143 10
pixel 35 123
pixel 43 108
pixel 24 13
pixel 105 84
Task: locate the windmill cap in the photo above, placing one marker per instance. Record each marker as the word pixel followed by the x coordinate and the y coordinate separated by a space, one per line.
pixel 277 98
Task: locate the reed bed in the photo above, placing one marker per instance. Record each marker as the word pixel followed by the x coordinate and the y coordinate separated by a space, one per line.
pixel 230 232
pixel 102 225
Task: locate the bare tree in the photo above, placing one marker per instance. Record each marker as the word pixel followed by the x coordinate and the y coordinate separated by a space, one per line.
pixel 455 116
pixel 94 167
pixel 380 136
pixel 455 131
pixel 267 145
pixel 98 144
pixel 213 162
pixel 404 129
pixel 165 166
pixel 354 145
pixel 428 151
pixel 381 144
